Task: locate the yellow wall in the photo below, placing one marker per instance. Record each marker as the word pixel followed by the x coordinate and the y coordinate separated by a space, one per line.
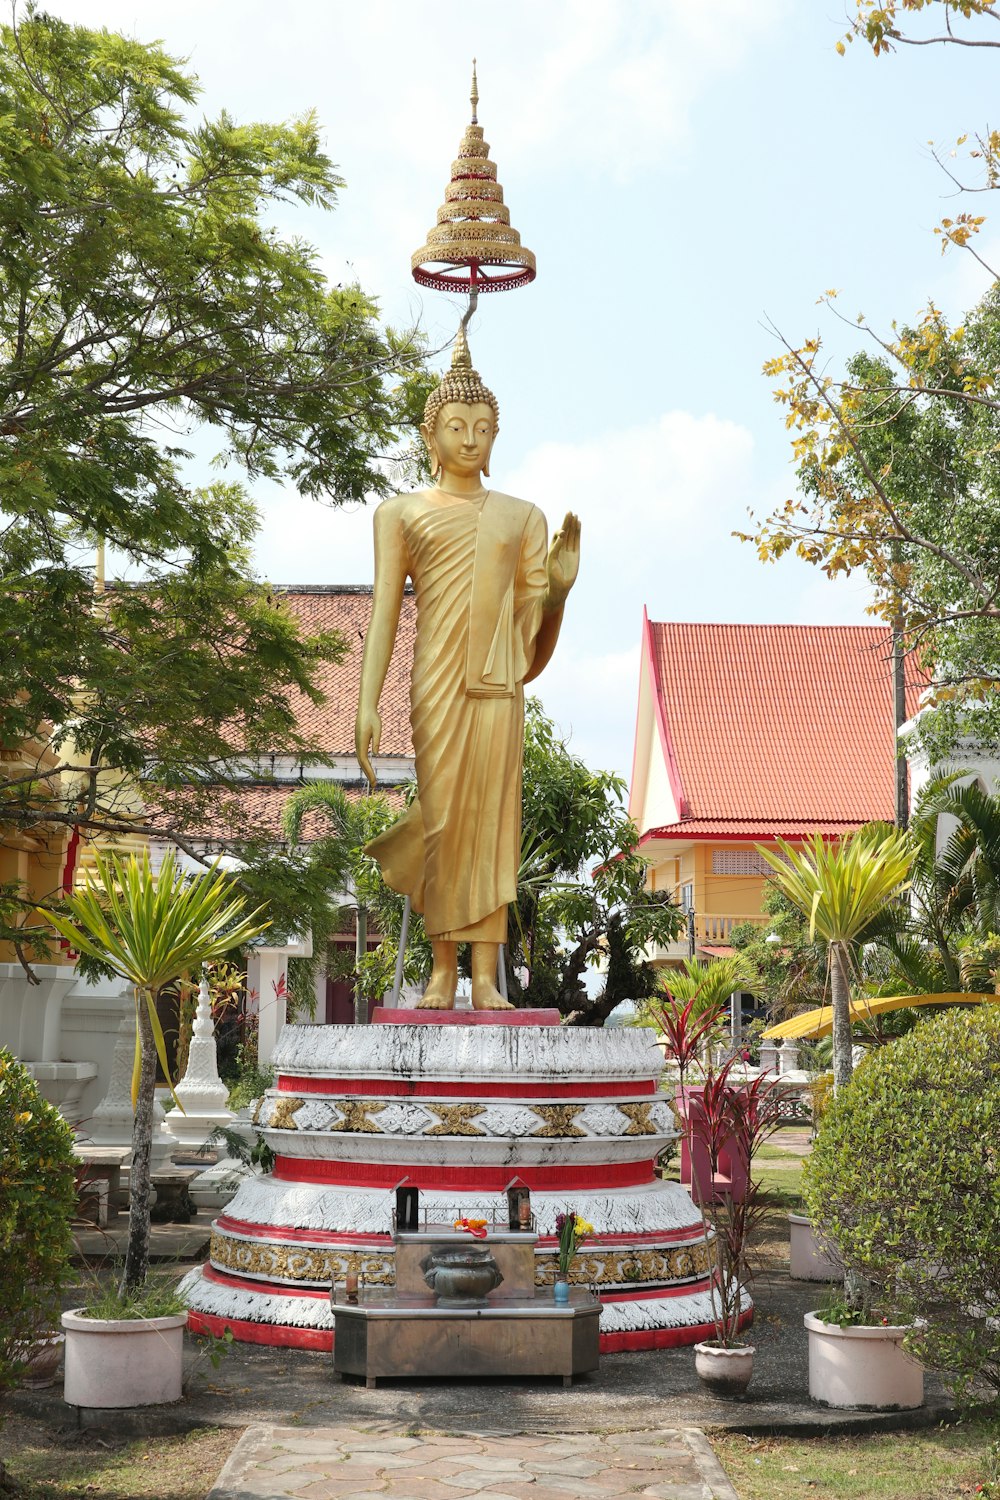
pixel 730 898
pixel 33 861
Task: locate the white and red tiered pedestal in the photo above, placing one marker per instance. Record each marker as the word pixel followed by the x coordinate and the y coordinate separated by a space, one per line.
pixel 458 1104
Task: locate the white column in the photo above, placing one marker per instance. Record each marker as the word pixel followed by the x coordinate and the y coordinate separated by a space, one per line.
pixel 267 977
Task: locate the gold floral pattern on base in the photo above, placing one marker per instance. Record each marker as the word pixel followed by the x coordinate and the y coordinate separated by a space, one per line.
pixel 557 1119
pixel 618 1268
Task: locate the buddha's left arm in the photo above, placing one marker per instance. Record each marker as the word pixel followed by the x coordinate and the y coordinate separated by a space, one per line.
pixel 561 568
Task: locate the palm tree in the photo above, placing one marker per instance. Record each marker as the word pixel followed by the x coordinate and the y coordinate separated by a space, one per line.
pixel 150 929
pixel 351 823
pixel 954 909
pixel 841 889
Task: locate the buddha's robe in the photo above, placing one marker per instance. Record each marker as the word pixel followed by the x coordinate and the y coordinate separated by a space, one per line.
pixel 478 571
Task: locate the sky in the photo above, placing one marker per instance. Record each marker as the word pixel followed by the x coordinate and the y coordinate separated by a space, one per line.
pixel 687 172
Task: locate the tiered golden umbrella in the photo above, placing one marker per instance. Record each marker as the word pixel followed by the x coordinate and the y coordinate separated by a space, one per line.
pixel 473 247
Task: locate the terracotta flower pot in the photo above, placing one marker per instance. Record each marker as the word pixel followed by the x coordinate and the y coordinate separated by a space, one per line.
pixel 862 1366
pixel 724 1372
pixel 123 1362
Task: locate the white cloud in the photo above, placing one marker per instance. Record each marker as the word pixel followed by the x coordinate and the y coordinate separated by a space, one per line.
pixel 645 497
pixel 302 541
pixel 571 82
pixel 592 698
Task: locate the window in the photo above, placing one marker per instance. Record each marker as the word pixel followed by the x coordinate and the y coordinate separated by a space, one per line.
pixel 739 862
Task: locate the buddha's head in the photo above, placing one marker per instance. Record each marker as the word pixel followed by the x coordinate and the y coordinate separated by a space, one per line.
pixel 461 419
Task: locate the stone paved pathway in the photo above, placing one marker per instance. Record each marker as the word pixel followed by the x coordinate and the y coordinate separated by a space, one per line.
pixel 382 1462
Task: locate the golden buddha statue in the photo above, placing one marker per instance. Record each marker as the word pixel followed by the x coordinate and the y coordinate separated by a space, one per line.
pixel 490 597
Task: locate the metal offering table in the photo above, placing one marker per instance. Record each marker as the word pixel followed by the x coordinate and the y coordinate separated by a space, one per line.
pixel 408 1334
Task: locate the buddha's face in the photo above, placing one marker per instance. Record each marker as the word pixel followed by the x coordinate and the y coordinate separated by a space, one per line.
pixel 462 439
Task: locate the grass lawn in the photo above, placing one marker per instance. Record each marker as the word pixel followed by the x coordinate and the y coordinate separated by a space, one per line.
pixel 79 1465
pixel 932 1465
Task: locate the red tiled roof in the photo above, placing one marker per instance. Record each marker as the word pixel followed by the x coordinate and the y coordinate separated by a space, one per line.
pixel 778 724
pixel 759 830
pixel 348 609
pixel 251 808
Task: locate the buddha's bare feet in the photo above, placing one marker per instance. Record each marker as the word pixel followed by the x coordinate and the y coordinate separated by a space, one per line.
pixel 440 993
pixel 488 997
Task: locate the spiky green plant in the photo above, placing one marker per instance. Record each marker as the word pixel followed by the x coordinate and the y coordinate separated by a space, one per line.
pixel 841 888
pixel 149 929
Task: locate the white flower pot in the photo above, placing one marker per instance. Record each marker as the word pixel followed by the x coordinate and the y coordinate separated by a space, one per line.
pixel 725 1372
pixel 123 1362
pixel 862 1367
pixel 809 1257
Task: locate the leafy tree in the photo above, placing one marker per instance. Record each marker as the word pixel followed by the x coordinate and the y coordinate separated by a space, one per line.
pixel 897 456
pixel 582 901
pixel 842 888
pixel 346 826
pixel 898 476
pixel 150 930
pixel 788 974
pixel 145 299
pixel 880 23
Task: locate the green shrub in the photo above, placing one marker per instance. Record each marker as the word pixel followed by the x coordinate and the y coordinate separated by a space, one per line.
pixel 904 1178
pixel 37 1196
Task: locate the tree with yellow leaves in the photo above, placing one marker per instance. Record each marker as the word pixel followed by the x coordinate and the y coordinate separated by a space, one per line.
pixel 897 455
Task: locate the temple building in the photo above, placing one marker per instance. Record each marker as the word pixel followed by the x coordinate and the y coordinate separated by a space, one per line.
pixel 750 733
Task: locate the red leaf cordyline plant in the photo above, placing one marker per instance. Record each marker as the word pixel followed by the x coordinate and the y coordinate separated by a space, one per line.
pixel 738 1117
pixel 684 1031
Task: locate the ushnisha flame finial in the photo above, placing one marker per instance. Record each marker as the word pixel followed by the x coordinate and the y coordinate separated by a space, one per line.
pixel 461 358
pixel 473 247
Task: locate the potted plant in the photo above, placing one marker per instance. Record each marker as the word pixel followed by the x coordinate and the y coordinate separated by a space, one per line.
pixel 740 1116
pixel 149 929
pixel 572 1231
pixel 37 1195
pixel 903 1181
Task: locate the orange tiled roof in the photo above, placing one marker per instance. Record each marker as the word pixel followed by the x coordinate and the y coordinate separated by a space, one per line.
pixel 778 724
pixel 348 608
pixel 758 829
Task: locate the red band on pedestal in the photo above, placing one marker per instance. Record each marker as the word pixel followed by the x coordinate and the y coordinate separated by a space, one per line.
pixel 591 1178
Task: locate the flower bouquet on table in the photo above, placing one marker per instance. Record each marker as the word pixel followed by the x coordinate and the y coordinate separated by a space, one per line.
pixel 572 1230
pixel 476 1227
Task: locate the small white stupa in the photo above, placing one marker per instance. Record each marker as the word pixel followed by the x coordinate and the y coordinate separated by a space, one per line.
pixel 201 1091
